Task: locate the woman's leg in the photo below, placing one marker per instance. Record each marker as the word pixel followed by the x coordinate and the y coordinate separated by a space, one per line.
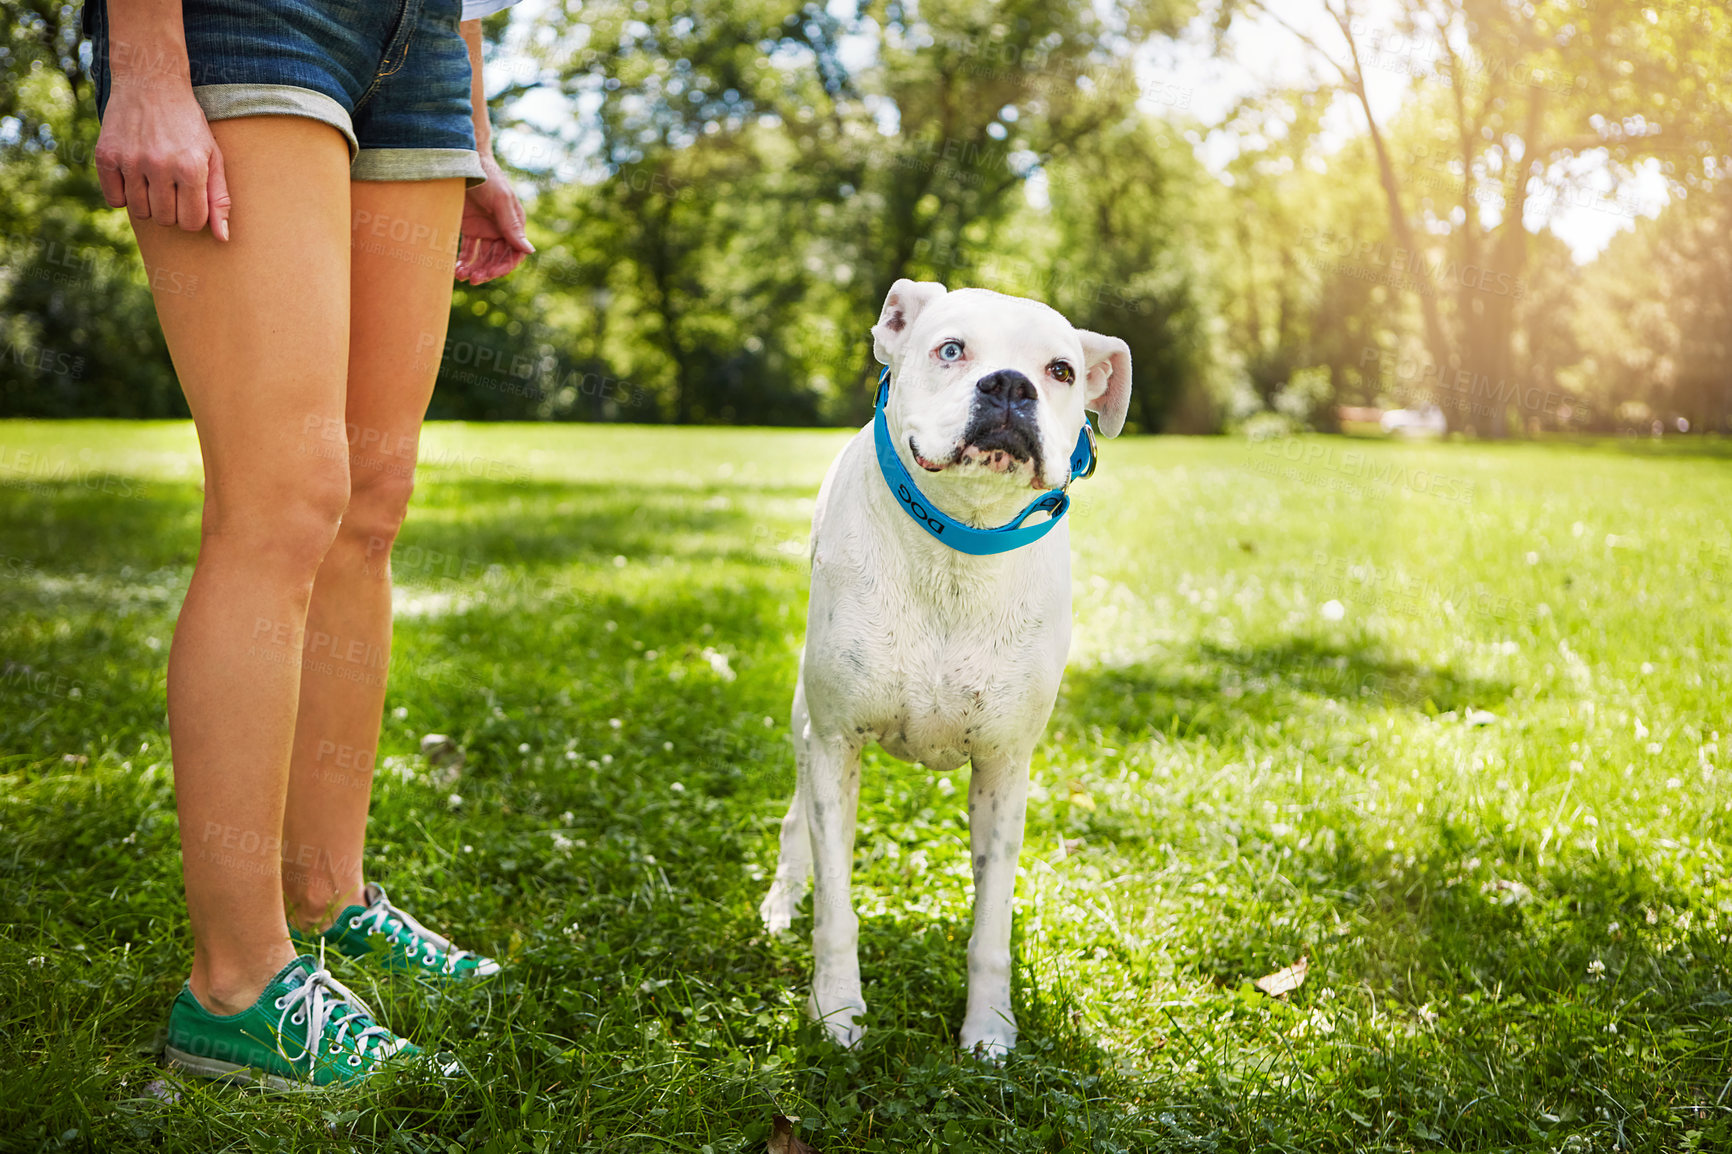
pixel 259 331
pixel 404 248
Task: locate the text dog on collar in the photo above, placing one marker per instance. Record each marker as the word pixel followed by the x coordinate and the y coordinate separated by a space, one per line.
pixel 939 655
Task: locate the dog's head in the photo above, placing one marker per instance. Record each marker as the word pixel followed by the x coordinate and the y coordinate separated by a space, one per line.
pixel 994 387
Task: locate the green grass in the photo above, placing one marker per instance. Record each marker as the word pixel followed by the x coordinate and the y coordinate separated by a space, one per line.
pixel 1487 799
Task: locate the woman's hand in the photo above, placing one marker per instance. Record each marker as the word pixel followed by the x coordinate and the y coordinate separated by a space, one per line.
pixel 493 240
pixel 156 156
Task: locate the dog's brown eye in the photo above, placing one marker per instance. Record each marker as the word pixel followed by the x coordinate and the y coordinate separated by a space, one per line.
pixel 1062 372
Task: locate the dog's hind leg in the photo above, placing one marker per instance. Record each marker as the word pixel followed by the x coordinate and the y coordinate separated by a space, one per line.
pixel 794 863
pixel 793 868
pixel 830 783
pixel 997 800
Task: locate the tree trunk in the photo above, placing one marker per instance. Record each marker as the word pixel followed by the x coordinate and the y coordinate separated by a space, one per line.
pixel 1435 335
pixel 1512 260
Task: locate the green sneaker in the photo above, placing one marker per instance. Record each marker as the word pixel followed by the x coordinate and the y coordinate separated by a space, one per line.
pixel 380 930
pixel 307 1031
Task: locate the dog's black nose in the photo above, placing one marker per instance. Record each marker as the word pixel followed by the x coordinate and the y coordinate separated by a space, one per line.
pixel 1007 386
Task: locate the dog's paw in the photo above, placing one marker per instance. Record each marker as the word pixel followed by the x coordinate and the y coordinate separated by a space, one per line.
pixel 780 905
pixel 990 1040
pixel 838 1019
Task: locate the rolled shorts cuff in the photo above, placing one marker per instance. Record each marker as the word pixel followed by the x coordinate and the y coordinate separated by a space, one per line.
pixel 231 101
pixel 418 164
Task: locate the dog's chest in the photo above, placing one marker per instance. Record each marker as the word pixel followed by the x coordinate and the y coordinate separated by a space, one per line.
pixel 935 664
pixel 942 703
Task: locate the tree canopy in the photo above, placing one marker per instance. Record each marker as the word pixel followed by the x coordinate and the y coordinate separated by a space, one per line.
pixel 721 193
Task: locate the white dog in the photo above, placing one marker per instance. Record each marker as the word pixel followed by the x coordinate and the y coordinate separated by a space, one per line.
pixel 921 634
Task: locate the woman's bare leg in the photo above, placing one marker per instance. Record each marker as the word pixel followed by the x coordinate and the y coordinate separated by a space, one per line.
pixel 404 247
pixel 259 332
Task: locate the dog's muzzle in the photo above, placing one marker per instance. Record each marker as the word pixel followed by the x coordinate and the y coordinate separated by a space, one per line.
pixel 1005 418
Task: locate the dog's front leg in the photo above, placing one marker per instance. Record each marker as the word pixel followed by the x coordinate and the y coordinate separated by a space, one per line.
pixel 830 780
pixel 997 799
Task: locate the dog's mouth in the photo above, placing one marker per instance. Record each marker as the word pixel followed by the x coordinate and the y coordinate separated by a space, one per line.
pixel 1004 449
pixel 930 466
pixel 1002 439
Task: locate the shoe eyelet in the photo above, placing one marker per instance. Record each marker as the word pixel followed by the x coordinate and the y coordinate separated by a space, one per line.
pixel 280 1003
pixel 354 923
pixel 298 1017
pixel 355 1060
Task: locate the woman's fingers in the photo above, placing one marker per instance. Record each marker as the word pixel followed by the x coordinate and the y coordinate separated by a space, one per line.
pixel 495 236
pixel 217 195
pixel 499 254
pixel 160 184
pixel 112 182
pixel 509 257
pixel 137 198
pixel 192 198
pixel 484 265
pixel 156 158
pixel 519 232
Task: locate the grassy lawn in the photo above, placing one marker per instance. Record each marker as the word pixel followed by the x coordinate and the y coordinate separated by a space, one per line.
pixel 1449 722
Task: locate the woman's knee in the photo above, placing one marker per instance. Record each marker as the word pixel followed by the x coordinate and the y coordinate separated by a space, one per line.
pixel 378 502
pixel 288 528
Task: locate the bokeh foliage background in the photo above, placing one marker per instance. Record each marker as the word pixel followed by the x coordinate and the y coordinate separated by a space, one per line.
pixel 722 192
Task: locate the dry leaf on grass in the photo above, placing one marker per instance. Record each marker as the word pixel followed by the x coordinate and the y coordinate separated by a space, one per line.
pixel 783 1140
pixel 1284 981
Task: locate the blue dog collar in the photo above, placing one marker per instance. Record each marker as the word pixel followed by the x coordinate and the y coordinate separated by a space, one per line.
pixel 1014 534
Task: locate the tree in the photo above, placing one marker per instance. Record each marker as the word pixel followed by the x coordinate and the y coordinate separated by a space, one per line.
pixel 1125 262
pixel 1526 89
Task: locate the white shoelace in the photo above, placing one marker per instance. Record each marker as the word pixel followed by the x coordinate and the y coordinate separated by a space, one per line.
pixel 384 918
pixel 322 1000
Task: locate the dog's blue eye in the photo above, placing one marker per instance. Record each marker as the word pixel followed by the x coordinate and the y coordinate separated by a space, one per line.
pixel 950 351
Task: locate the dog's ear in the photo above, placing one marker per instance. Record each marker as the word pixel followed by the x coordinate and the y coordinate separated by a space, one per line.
pixel 903 303
pixel 1108 379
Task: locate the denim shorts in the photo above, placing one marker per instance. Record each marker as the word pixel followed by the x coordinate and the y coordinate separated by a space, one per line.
pixel 391 75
